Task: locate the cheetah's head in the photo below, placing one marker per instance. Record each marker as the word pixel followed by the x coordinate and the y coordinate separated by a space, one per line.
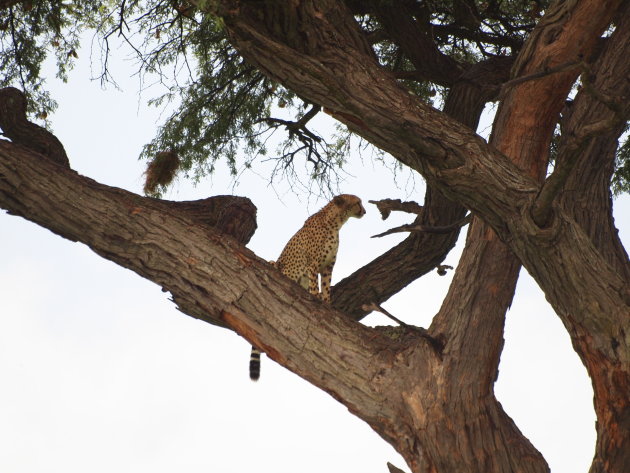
pixel 350 205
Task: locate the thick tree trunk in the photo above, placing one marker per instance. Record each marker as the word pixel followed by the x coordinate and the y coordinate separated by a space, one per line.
pixel 589 161
pixel 474 175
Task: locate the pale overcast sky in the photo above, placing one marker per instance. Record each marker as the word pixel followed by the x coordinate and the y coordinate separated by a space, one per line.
pixel 101 373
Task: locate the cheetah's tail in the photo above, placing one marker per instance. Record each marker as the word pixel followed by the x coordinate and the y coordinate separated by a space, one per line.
pixel 254 365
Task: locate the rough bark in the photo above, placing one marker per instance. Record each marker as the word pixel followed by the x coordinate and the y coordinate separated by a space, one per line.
pixel 232 215
pixel 213 278
pixel 19 130
pixel 586 198
pixel 464 170
pixel 422 252
pixel 585 194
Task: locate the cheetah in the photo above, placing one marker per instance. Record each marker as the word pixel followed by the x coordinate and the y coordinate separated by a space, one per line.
pixel 313 251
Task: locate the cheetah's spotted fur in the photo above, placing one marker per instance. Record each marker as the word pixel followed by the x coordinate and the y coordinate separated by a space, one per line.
pixel 313 251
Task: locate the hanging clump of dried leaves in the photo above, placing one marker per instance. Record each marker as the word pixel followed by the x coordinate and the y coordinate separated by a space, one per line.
pixel 160 172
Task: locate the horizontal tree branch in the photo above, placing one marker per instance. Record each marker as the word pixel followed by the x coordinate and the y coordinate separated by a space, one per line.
pixel 211 277
pixel 412 227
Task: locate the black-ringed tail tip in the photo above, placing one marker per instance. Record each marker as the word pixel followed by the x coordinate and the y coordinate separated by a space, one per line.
pixel 254 365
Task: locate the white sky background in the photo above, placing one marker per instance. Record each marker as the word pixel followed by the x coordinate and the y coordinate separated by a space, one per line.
pixel 101 373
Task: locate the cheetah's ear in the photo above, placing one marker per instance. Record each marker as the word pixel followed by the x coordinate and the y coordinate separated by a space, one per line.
pixel 339 200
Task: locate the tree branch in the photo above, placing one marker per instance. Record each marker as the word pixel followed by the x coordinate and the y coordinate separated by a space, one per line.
pixel 586 194
pixel 568 66
pixel 211 277
pixel 554 184
pixel 231 215
pixel 417 45
pixel 523 127
pixel 385 207
pixel 394 469
pixel 586 198
pixel 19 130
pixel 412 227
pixel 615 117
pixel 437 345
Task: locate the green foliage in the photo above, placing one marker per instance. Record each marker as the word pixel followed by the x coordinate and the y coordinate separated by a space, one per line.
pixel 30 32
pixel 221 105
pixel 224 110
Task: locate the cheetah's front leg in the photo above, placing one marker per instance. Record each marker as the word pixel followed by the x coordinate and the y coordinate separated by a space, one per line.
pixel 326 277
pixel 313 283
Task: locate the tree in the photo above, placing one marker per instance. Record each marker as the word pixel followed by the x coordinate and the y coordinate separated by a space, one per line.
pixel 370 65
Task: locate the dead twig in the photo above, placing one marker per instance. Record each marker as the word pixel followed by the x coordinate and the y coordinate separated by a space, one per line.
pixel 567 66
pixel 435 343
pixel 386 206
pixel 413 227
